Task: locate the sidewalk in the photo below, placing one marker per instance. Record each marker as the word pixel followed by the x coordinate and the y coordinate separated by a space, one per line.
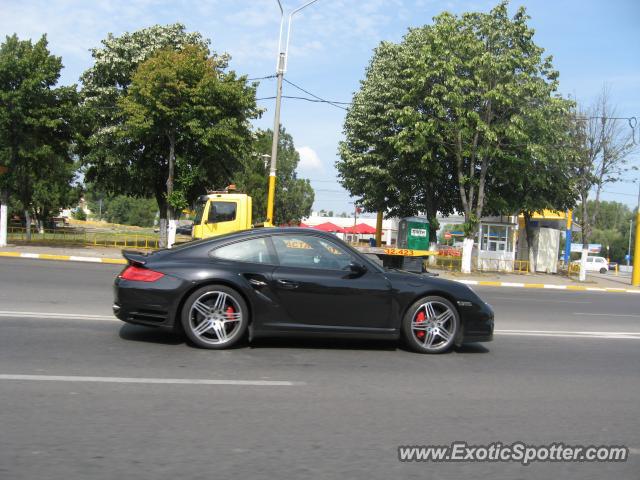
pixel 69 253
pixel 596 282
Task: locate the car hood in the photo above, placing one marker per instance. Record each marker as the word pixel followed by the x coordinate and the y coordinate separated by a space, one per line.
pixel 418 278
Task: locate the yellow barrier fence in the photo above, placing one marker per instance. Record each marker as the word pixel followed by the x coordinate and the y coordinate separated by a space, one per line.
pixel 454 263
pixel 500 265
pixel 76 237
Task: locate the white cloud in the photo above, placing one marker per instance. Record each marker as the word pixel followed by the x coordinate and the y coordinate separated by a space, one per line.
pixel 309 159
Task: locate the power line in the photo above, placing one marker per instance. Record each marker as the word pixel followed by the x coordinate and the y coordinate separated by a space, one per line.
pixel 260 78
pixel 620 193
pixel 334 103
pixel 301 98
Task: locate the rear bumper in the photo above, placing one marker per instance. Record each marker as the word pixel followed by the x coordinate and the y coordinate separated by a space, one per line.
pixel 152 304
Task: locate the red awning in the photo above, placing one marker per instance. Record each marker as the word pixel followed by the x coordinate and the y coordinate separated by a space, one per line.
pixel 303 225
pixel 361 229
pixel 329 227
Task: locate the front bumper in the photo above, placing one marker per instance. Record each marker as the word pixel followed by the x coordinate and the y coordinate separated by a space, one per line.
pixel 479 323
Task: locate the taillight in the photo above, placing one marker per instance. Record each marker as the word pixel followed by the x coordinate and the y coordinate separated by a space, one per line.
pixel 140 274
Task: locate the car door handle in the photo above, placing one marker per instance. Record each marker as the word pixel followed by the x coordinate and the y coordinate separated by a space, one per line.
pixel 288 284
pixel 257 283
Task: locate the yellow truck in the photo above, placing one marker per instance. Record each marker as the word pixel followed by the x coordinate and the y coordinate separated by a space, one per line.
pixel 222 212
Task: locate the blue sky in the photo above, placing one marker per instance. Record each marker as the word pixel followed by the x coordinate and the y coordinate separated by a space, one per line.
pixel 593 42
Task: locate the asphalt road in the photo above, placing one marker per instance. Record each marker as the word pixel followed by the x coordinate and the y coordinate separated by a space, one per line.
pixel 88 404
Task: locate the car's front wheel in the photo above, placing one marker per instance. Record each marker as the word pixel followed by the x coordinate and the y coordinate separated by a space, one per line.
pixel 431 325
pixel 215 317
pixel 603 270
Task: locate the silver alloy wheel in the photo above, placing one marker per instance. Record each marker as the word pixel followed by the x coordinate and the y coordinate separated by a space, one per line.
pixel 433 324
pixel 215 317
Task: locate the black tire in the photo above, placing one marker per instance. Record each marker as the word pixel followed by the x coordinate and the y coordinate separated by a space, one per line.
pixel 603 270
pixel 418 339
pixel 225 311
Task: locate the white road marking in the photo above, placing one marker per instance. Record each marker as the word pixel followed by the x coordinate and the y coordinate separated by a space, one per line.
pixel 570 334
pixel 60 316
pixel 537 300
pixel 163 381
pixel 85 259
pixel 607 314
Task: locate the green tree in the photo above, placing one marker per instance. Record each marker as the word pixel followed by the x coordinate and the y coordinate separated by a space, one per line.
pixel 130 211
pixel 386 161
pixel 542 174
pixel 486 79
pixel 126 156
pixel 604 146
pixel 36 130
pixel 197 111
pixel 294 196
pixel 611 228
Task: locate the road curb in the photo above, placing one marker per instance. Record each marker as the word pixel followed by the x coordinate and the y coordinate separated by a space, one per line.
pixel 68 258
pixel 480 283
pixel 547 286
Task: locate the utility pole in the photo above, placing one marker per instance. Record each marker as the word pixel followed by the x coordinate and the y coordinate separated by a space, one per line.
pixel 635 276
pixel 281 67
pixel 4 211
pixel 629 248
pixel 567 243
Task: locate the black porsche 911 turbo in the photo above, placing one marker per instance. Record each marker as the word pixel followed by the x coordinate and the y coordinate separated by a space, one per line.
pixel 293 282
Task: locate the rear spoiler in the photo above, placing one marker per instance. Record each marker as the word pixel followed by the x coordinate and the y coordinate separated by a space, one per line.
pixel 135 258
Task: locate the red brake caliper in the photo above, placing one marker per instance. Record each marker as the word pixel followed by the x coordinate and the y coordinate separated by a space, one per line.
pixel 421 317
pixel 230 311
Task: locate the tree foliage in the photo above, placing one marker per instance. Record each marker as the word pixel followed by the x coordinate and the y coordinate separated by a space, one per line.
pixel 604 146
pixel 294 196
pixel 36 129
pixel 166 118
pixel 610 228
pixel 457 109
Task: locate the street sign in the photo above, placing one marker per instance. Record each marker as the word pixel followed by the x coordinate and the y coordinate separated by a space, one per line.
pixel 447 235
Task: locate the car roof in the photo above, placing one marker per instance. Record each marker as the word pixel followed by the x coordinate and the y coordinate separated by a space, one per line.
pixel 253 232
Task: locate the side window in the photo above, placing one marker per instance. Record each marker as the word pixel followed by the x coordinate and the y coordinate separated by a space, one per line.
pixel 221 212
pixel 310 252
pixel 590 259
pixel 253 251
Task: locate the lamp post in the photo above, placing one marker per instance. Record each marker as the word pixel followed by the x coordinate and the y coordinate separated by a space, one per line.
pixel 635 276
pixel 629 248
pixel 281 67
pixel 4 200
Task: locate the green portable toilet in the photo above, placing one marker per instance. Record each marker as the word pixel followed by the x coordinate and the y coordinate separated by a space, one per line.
pixel 413 233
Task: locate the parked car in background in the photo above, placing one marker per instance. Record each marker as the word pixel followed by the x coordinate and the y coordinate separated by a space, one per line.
pixel 185 229
pixel 595 264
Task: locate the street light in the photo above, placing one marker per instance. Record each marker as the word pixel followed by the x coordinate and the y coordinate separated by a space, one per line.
pixel 281 66
pixel 635 276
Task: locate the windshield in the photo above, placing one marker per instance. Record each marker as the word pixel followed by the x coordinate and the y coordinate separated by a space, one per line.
pixel 199 211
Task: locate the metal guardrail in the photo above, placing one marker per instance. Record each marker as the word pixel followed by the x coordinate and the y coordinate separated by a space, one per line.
pixel 446 262
pixel 499 265
pixel 95 239
pixel 454 263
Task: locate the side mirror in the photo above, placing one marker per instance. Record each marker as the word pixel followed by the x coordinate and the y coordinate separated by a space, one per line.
pixel 357 268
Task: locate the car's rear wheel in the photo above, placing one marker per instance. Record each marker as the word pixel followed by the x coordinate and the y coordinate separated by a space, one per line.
pixel 215 317
pixel 431 325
